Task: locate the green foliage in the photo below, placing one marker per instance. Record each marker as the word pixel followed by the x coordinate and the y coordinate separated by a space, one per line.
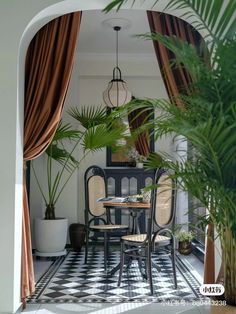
pixel 89 116
pixel 207 118
pixel 98 130
pixel 215 17
pixel 185 236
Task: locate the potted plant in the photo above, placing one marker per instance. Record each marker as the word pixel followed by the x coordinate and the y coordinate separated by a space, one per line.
pixel 206 120
pixel 61 163
pixel 185 242
pixel 139 159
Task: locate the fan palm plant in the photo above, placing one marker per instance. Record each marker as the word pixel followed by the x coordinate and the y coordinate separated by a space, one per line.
pixel 92 135
pixel 207 119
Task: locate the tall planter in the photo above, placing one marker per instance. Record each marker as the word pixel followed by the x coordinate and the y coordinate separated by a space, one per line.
pixel 229 245
pixel 50 236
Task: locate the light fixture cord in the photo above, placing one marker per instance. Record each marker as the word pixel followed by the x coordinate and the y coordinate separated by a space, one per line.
pixel 117 29
pixel 117 47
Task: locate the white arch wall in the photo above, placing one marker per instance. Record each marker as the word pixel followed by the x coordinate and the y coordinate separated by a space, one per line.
pixel 19 21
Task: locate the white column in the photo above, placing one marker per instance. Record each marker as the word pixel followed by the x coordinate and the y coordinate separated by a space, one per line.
pixel 180 153
pixel 10 180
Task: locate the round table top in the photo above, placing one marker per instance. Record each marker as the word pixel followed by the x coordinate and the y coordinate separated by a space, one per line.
pixel 127 204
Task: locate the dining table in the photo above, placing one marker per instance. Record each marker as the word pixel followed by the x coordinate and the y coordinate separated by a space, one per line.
pixel 135 208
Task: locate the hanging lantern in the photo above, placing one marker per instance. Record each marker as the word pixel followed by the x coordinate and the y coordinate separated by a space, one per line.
pixel 117 93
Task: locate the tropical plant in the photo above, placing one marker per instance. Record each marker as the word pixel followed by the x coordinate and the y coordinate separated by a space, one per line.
pixel 92 135
pixel 185 236
pixel 207 119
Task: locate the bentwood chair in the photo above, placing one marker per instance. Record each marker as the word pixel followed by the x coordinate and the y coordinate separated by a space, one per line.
pixel 159 234
pixel 96 218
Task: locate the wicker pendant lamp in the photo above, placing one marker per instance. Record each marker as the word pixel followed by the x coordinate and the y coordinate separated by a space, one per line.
pixel 117 93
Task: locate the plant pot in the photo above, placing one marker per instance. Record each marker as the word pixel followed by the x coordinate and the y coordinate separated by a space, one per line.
pixel 131 163
pixel 77 236
pixel 185 247
pixel 50 236
pixel 139 165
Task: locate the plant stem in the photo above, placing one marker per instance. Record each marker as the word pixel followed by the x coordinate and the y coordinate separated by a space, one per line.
pixel 62 188
pixel 49 175
pixel 57 182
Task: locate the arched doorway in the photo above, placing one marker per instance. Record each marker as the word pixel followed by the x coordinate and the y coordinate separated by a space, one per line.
pixel 40 16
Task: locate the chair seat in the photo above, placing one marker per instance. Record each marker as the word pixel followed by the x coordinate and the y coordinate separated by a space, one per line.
pixel 108 227
pixel 141 237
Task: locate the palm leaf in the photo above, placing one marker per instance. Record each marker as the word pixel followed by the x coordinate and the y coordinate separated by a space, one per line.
pixel 217 17
pixel 65 131
pixel 62 156
pixel 89 116
pixel 98 137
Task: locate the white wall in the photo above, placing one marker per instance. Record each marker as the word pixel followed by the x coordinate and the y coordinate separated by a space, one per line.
pixel 12 25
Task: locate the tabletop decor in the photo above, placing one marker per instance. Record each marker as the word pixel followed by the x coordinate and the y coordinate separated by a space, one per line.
pixel 185 242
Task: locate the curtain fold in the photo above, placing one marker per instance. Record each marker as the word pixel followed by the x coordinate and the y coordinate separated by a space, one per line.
pixel 142 143
pixel 48 67
pixel 177 81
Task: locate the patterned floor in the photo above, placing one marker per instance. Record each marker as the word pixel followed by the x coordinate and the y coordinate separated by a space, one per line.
pixel 69 280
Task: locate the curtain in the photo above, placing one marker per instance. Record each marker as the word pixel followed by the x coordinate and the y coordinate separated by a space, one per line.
pixel 48 68
pixel 177 81
pixel 142 142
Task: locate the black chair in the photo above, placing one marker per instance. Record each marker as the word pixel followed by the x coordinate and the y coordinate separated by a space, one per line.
pixel 159 234
pixel 97 220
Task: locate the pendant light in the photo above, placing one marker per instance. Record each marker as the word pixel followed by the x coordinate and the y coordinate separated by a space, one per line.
pixel 117 93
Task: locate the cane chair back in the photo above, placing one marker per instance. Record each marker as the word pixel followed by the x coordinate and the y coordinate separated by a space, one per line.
pixel 164 207
pixel 95 188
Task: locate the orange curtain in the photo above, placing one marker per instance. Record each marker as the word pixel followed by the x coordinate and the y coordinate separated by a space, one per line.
pixel 177 81
pixel 142 143
pixel 48 67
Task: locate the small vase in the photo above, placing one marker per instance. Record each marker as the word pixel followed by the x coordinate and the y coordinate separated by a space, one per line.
pixel 147 197
pixel 139 165
pixel 185 247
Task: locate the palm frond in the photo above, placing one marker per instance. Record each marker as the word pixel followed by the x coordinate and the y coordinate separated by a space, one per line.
pixel 98 137
pixel 89 116
pixel 217 17
pixel 65 131
pixel 62 156
pixel 115 4
pixel 185 53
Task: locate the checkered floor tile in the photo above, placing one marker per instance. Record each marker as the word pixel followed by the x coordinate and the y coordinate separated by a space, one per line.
pixel 69 280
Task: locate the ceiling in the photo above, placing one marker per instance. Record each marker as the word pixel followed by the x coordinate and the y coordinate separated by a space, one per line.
pixel 94 38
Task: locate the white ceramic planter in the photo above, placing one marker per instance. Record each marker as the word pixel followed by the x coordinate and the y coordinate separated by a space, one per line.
pixel 139 165
pixel 50 236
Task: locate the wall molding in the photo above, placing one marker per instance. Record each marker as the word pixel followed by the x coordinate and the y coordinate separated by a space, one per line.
pixel 130 57
pixel 127 77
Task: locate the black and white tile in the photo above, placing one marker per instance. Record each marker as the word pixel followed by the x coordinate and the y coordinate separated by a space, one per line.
pixel 69 280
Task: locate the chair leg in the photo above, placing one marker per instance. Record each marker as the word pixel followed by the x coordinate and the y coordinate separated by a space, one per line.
pixel 105 251
pixel 122 261
pixel 86 247
pixel 149 268
pixel 173 265
pixel 144 275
